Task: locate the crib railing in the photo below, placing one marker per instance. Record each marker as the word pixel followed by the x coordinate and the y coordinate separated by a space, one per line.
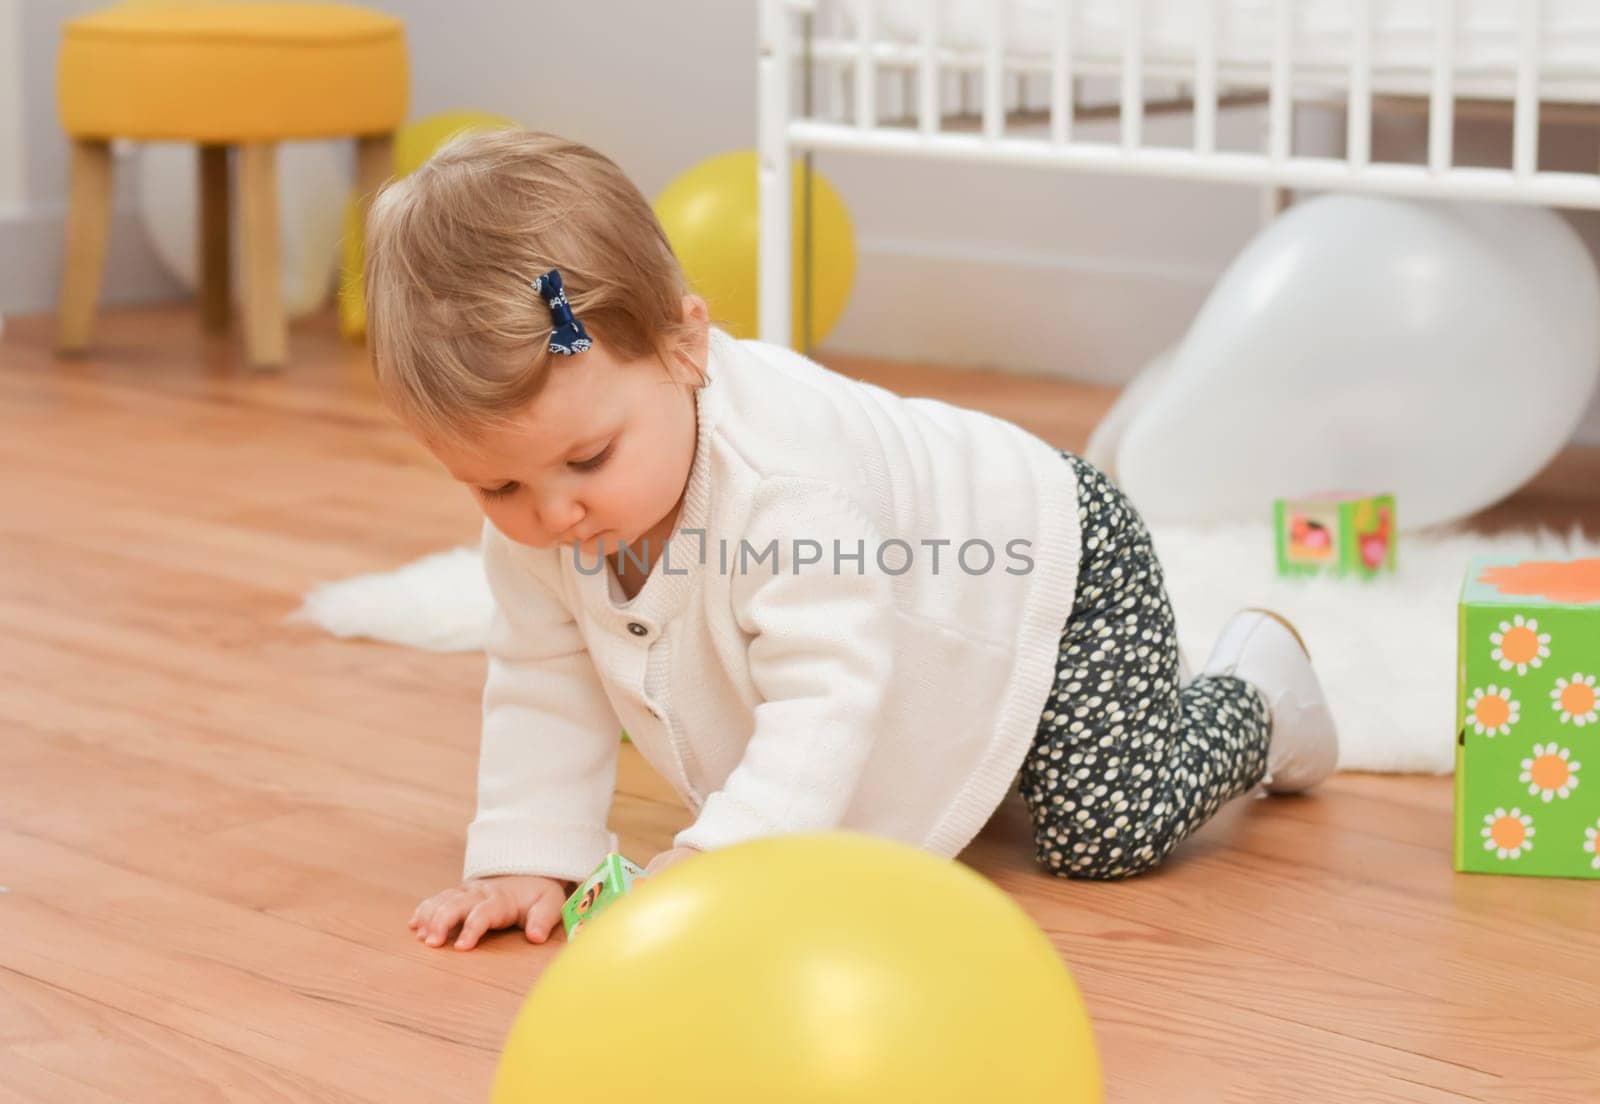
pixel 790 44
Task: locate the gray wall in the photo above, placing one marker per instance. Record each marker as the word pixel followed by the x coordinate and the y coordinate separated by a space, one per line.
pixel 31 225
pixel 1077 275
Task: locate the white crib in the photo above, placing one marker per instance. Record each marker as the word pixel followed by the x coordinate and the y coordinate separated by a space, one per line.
pixel 879 77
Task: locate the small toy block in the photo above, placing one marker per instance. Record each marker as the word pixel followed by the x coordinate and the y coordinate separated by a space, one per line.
pixel 612 879
pixel 1528 730
pixel 1339 534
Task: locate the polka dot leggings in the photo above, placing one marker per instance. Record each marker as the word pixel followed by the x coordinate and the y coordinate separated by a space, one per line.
pixel 1125 763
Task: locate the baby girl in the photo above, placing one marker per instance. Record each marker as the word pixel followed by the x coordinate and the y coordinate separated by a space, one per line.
pixel 811 603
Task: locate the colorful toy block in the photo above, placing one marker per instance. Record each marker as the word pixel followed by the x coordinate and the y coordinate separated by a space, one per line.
pixel 1527 720
pixel 612 879
pixel 1342 534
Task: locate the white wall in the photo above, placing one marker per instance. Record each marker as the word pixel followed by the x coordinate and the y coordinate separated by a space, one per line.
pixel 1083 276
pixel 12 186
pixel 31 233
pixel 1093 275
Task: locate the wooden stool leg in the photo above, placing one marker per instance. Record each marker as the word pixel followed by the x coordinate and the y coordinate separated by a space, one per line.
pixel 374 167
pixel 265 331
pixel 88 227
pixel 215 294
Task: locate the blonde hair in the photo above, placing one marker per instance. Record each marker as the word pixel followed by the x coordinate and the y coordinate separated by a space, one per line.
pixel 458 337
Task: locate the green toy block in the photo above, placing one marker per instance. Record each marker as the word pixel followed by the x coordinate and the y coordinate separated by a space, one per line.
pixel 610 880
pixel 1526 719
pixel 1340 534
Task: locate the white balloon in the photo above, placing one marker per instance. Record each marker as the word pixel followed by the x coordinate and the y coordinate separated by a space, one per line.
pixel 1444 352
pixel 1104 441
pixel 314 181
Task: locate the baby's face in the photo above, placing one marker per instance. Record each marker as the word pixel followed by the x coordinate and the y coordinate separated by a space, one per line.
pixel 601 457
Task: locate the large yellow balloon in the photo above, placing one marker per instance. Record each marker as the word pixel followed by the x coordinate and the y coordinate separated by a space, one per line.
pixel 414 143
pixel 834 968
pixel 710 216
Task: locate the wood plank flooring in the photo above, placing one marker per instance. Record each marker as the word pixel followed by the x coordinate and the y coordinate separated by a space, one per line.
pixel 214 825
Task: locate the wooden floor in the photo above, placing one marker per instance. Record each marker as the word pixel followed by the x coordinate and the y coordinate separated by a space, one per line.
pixel 214 826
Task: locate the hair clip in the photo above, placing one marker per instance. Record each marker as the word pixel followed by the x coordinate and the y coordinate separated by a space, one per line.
pixel 569 336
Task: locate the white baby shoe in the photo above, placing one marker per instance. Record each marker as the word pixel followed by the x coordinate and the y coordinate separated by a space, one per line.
pixel 1264 650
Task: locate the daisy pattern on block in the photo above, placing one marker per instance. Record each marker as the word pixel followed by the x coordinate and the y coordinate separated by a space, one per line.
pixel 1519 644
pixel 1492 711
pixel 1574 699
pixel 1591 844
pixel 1551 772
pixel 1508 834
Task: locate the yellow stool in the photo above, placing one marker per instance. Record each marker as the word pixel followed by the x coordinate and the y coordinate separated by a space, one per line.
pixel 225 76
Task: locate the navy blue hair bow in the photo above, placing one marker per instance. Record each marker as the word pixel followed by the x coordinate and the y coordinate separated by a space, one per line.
pixel 569 336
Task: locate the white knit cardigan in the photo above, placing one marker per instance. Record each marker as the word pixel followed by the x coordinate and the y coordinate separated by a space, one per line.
pixel 855 625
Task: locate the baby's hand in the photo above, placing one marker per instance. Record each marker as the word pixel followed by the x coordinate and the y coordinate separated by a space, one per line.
pixel 526 901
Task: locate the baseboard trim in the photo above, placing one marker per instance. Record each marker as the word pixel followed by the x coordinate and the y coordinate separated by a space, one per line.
pixel 31 241
pixel 1097 319
pixel 1089 318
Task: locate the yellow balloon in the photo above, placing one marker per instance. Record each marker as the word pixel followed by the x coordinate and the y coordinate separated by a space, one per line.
pixel 834 968
pixel 710 216
pixel 417 141
pixel 414 143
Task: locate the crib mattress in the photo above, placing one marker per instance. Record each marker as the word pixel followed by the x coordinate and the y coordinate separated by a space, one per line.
pixel 1487 44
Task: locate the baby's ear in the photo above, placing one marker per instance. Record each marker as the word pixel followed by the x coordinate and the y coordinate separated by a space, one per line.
pixel 695 310
pixel 694 351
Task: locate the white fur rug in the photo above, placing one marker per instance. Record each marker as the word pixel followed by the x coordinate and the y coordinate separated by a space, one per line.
pixel 1385 650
